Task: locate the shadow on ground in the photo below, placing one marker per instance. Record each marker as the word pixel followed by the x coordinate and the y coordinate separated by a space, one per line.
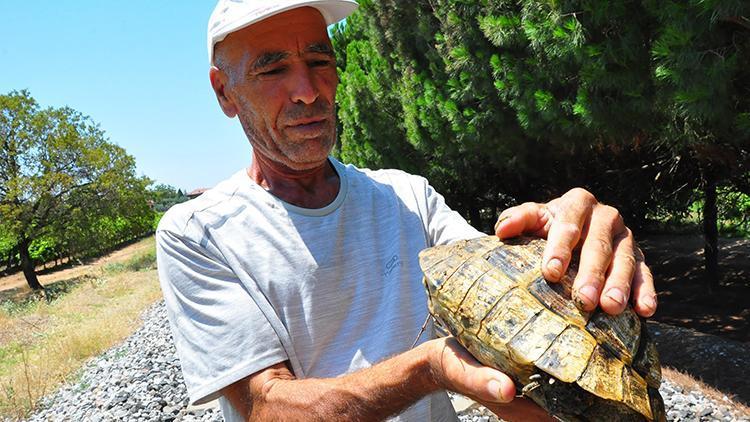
pixel 704 335
pixel 677 264
pixel 718 362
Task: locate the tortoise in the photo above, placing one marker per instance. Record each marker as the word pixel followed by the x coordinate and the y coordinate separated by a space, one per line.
pixel 577 365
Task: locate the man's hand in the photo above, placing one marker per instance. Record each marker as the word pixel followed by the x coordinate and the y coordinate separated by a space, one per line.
pixel 380 391
pixel 456 370
pixel 611 267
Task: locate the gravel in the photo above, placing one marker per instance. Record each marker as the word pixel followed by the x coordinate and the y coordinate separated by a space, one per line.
pixel 140 380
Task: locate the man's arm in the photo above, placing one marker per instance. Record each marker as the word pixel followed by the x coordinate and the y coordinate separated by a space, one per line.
pixel 611 266
pixel 380 391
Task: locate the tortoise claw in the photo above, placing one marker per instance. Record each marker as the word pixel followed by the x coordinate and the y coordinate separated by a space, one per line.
pixel 533 385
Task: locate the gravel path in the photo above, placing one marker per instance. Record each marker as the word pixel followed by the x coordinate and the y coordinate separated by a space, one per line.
pixel 140 380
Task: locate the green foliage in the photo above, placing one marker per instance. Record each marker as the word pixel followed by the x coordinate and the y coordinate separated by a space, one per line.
pixel 157 218
pixel 643 102
pixel 165 196
pixel 733 214
pixel 65 190
pixel 42 249
pixel 7 244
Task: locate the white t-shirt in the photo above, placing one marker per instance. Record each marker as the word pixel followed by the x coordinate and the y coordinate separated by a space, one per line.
pixel 250 280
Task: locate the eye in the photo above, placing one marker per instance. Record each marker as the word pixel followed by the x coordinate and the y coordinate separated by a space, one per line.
pixel 274 71
pixel 320 63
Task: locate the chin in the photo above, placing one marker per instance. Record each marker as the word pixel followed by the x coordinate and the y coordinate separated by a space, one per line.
pixel 303 160
pixel 307 163
pixel 311 152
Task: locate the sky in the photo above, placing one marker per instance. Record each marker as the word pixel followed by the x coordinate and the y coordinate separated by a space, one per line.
pixel 137 68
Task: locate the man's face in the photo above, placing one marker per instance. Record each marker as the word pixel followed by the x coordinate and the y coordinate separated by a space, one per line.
pixel 279 78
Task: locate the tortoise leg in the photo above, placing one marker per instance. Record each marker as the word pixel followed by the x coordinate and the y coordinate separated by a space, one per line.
pixel 528 388
pixel 531 386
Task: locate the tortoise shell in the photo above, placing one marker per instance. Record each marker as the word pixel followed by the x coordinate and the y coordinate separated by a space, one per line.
pixel 577 365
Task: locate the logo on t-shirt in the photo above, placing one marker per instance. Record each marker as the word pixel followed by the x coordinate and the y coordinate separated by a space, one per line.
pixel 392 264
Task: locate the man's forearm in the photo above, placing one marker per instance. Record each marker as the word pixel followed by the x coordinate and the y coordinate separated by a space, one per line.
pixel 373 393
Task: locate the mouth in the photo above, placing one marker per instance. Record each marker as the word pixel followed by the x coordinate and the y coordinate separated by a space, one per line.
pixel 308 128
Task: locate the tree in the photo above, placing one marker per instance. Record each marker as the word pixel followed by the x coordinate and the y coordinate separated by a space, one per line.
pixel 59 176
pixel 642 102
pixel 491 100
pixel 164 196
pixel 701 55
pixel 401 107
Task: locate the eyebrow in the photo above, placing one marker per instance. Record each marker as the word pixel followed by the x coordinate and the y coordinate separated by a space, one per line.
pixel 267 59
pixel 320 48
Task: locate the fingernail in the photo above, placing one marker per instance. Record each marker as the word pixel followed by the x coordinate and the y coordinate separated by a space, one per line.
pixel 649 302
pixel 495 388
pixel 590 293
pixel 616 295
pixel 555 268
pixel 500 222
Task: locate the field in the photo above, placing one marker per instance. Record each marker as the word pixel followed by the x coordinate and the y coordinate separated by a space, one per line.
pixel 92 307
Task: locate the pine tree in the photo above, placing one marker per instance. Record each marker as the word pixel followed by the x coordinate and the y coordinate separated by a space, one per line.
pixel 642 102
pixel 702 70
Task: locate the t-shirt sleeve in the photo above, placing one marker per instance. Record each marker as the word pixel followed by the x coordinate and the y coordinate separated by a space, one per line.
pixel 220 334
pixel 444 225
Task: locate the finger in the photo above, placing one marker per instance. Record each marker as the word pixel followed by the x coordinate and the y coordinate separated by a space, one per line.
pixel 464 374
pixel 527 218
pixel 644 292
pixel 596 256
pixel 570 215
pixel 522 409
pixel 616 291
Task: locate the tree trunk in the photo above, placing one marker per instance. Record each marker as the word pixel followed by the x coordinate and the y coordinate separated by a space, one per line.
pixel 12 261
pixel 711 235
pixel 27 264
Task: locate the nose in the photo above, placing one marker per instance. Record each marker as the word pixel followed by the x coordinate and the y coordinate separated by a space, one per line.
pixel 303 88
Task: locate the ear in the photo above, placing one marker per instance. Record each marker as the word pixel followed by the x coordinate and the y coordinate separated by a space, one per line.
pixel 219 80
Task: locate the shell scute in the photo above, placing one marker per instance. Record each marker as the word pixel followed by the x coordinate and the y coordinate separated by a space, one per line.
pixel 492 296
pixel 568 356
pixel 536 337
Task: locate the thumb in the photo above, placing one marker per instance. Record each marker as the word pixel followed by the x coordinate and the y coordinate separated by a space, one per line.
pixel 498 387
pixel 528 218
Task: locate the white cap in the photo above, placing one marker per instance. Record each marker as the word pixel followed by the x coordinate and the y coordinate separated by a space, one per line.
pixel 232 15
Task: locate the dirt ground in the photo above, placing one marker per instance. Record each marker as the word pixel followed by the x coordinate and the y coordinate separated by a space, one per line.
pixel 677 264
pixel 704 336
pixel 14 287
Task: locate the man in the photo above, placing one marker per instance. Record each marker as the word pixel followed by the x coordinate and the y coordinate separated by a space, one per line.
pixel 293 288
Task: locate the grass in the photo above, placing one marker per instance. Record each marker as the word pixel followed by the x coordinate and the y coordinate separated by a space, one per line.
pixel 43 344
pixel 141 262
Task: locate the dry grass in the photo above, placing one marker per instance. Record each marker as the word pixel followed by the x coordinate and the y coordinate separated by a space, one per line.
pixel 43 344
pixel 689 383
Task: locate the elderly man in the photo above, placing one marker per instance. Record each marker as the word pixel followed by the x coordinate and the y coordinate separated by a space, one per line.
pixel 293 288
